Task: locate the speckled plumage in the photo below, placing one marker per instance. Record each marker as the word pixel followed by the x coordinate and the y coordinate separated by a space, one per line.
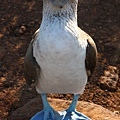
pixel 60 58
pixel 60 50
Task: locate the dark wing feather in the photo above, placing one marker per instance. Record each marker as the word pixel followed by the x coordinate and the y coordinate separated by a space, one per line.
pixel 31 67
pixel 91 53
pixel 91 57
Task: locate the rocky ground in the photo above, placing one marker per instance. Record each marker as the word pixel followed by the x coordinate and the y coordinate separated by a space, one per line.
pixel 19 20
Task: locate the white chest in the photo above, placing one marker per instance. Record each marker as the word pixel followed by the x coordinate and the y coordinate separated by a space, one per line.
pixel 61 56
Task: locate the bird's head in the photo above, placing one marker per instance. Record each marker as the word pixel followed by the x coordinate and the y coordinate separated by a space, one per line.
pixel 60 3
pixel 64 9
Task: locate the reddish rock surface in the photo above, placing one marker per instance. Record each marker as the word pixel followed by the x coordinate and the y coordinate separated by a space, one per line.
pixel 110 80
pixel 93 111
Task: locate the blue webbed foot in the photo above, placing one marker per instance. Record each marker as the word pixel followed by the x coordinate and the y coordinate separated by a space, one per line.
pixel 47 114
pixel 73 115
pixel 64 115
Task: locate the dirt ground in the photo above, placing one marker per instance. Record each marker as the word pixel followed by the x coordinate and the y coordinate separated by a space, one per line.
pixel 20 19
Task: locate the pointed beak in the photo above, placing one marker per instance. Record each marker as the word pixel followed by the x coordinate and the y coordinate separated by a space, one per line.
pixel 59 2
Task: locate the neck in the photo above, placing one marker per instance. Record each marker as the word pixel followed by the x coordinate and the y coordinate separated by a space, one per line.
pixel 68 13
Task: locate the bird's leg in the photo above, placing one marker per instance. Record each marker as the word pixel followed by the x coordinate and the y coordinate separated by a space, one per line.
pixel 49 112
pixel 73 104
pixel 45 101
pixel 72 114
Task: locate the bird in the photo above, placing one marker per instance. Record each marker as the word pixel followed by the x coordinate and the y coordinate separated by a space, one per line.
pixel 60 58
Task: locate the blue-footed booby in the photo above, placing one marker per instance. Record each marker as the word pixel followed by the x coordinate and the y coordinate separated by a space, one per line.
pixel 60 58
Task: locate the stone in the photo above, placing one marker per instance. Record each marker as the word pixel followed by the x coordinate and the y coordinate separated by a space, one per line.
pixel 110 79
pixel 19 30
pixel 93 111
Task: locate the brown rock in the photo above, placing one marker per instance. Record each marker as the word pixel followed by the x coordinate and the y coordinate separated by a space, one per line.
pixel 110 79
pixel 28 110
pixel 108 84
pixel 95 112
pixel 18 30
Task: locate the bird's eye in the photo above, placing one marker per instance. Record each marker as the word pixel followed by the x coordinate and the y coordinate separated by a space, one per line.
pixel 61 6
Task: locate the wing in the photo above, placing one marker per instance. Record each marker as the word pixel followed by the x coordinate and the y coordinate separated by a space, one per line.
pixel 91 54
pixel 91 57
pixel 31 68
